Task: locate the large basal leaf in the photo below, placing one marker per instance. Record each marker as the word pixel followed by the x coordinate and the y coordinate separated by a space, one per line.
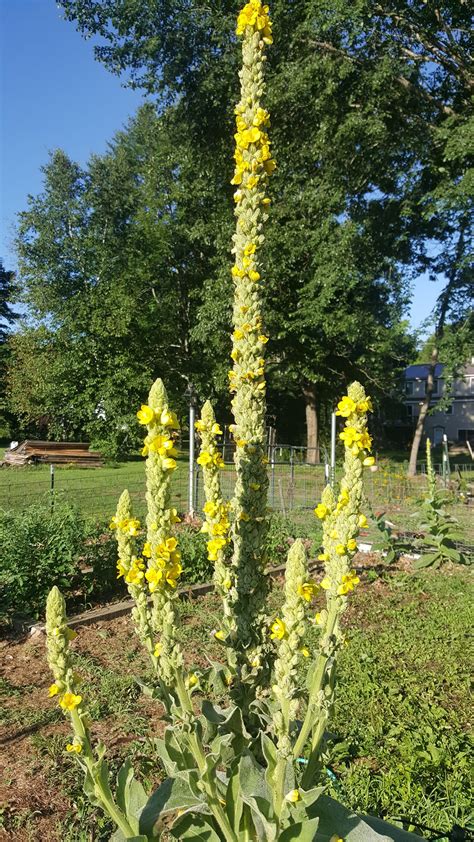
pixel 130 795
pixel 304 831
pixel 336 820
pixel 118 836
pixel 172 795
pixel 195 827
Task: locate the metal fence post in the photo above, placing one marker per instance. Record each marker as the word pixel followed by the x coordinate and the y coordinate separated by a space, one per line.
pixel 51 485
pixel 192 414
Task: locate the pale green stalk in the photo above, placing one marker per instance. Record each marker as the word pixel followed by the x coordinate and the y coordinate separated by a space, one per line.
pixel 160 464
pixel 247 378
pixel 341 522
pixel 66 688
pixel 125 526
pixel 217 525
pixel 289 633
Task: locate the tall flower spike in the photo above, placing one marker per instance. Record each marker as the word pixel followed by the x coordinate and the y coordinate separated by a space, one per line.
pixel 161 549
pixel 133 569
pixel 341 517
pixel 290 649
pixel 253 165
pixel 217 523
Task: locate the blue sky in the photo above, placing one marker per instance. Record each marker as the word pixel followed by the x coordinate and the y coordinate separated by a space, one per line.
pixel 54 94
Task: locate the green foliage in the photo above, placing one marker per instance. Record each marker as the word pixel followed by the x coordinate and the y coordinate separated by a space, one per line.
pixel 283 530
pixel 441 529
pixel 193 547
pixel 43 546
pixel 39 548
pixel 389 545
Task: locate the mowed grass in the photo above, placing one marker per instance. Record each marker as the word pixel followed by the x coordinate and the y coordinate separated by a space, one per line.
pixel 291 489
pixel 400 744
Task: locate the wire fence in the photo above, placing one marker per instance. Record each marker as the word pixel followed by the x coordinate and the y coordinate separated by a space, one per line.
pixel 293 485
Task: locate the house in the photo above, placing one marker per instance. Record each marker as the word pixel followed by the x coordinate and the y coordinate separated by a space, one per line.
pixel 457 422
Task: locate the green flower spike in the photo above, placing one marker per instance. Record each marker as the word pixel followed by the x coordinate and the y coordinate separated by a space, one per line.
pixel 253 165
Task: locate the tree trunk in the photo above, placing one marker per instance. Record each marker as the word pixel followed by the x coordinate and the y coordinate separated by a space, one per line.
pixel 420 423
pixel 312 426
pixel 443 304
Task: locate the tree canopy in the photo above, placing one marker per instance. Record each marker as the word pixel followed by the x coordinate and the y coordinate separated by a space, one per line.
pixel 370 116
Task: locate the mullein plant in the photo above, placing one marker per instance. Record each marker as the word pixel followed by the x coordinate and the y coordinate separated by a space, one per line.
pixel 252 770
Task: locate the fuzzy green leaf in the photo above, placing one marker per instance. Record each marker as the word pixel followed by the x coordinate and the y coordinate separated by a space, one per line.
pixel 198 828
pixel 173 794
pixel 304 831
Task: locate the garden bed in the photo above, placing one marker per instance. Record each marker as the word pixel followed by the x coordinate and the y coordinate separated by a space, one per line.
pixel 401 722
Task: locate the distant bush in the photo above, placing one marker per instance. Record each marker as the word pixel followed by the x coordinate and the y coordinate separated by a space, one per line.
pixel 41 547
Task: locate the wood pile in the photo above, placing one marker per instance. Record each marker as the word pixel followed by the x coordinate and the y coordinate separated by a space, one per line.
pixel 52 453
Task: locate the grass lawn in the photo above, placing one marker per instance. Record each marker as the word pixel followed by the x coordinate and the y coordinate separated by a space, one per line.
pixel 400 745
pixel 96 491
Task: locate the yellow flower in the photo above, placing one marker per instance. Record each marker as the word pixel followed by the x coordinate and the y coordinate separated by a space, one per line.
pixel 53 690
pixel 75 746
pixel 352 544
pixel 168 464
pixel 70 701
pixel 216 430
pixel 169 419
pixel 145 414
pixel 346 407
pixel 326 583
pixel 323 557
pixel 305 652
pixel 362 522
pixel 146 550
pixel 369 461
pixel 293 796
pixel 364 406
pixel 200 426
pixel 204 458
pixel 210 508
pixel 340 549
pixel 263 339
pixel 318 619
pixel 278 630
pixel 307 590
pixel 192 680
pixel 350 436
pixel 157 650
pixel 114 522
pixel 349 581
pixel 219 635
pixel 154 576
pixel 321 511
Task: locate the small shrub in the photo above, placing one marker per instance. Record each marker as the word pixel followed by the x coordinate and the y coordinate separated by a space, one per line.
pixel 38 548
pixel 41 547
pixel 197 567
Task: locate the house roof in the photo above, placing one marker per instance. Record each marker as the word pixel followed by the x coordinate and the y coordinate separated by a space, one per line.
pixel 414 372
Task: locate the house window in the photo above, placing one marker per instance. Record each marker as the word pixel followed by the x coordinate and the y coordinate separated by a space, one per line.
pixel 470 384
pixel 409 411
pixel 466 435
pixel 435 386
pixel 409 387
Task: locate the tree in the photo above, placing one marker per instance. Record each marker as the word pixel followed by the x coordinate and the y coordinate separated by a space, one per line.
pixel 366 106
pixel 8 317
pixel 111 257
pixel 345 144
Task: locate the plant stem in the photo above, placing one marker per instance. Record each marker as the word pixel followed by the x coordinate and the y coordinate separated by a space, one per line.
pixel 200 757
pixel 317 683
pixel 104 796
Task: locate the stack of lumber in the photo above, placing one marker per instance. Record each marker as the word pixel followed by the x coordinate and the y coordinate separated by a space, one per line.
pixel 52 453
